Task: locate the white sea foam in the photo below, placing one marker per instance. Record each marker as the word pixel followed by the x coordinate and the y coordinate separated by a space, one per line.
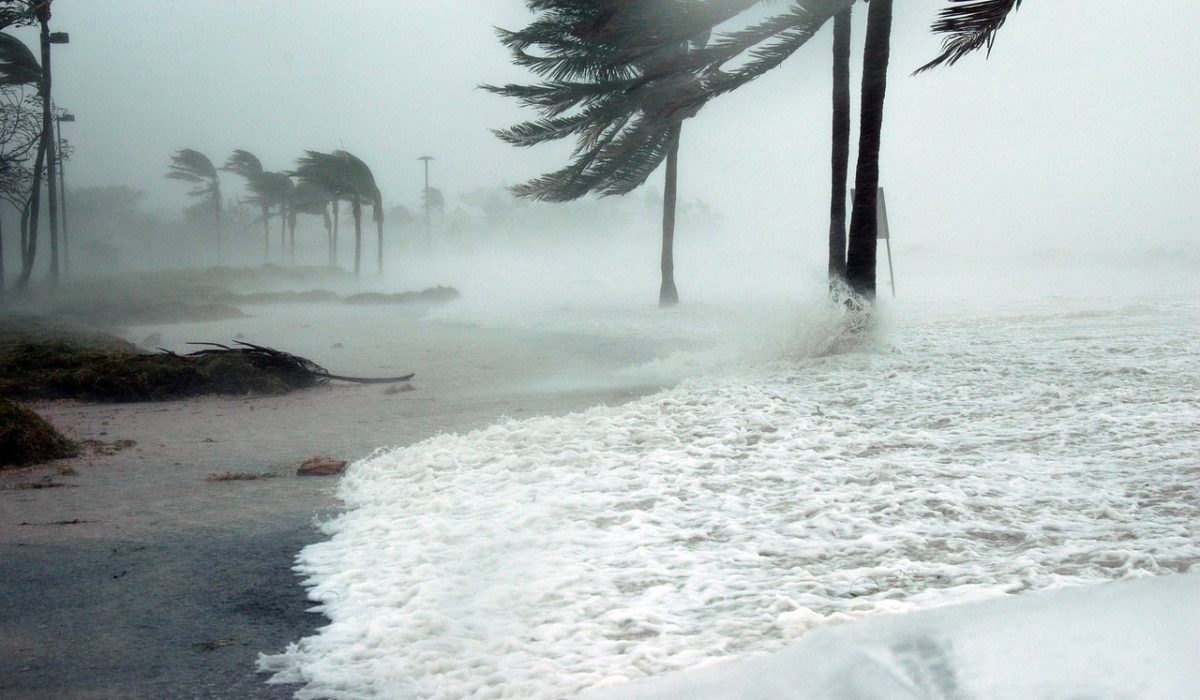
pixel 970 456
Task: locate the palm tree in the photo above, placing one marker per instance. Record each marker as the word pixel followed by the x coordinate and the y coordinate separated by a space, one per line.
pixel 248 165
pixel 863 240
pixel 195 167
pixel 614 81
pixel 349 178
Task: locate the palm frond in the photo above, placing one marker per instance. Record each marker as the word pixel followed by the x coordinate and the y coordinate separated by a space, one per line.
pixel 970 26
pixel 243 163
pixel 193 166
pixel 18 66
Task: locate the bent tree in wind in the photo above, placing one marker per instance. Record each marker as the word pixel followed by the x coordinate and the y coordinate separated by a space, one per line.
pixel 609 82
pixel 195 167
pixel 346 177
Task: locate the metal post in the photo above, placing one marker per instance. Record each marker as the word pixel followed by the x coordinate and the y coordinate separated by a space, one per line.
pixel 62 194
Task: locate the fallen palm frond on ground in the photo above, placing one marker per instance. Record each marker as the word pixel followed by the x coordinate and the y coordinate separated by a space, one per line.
pixel 40 361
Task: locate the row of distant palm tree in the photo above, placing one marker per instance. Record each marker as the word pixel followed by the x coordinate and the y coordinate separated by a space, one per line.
pixel 323 181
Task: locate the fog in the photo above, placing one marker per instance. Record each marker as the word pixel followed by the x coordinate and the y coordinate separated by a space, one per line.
pixel 579 488
pixel 1077 136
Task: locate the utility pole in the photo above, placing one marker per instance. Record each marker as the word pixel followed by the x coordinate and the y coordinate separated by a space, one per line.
pixel 63 116
pixel 47 38
pixel 428 227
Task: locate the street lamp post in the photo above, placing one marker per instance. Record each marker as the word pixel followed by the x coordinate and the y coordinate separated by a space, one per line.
pixel 428 229
pixel 62 181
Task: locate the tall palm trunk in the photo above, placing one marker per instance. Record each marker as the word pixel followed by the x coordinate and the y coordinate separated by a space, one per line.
pixel 667 294
pixel 48 140
pixel 291 236
pixel 328 233
pixel 216 196
pixel 356 211
pixel 860 260
pixel 337 217
pixel 266 213
pixel 840 154
pixel 29 220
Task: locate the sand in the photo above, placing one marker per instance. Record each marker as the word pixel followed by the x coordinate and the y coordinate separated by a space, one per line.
pixel 140 579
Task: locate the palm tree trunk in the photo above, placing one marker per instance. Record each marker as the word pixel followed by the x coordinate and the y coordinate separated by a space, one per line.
pixel 217 207
pixel 378 214
pixel 266 212
pixel 860 259
pixel 667 294
pixel 292 237
pixel 337 217
pixel 356 210
pixel 328 233
pixel 29 221
pixel 840 155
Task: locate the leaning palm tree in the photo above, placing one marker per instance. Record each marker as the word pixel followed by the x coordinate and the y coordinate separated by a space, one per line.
pixel 195 167
pixel 348 178
pixel 615 79
pixel 364 187
pixel 248 165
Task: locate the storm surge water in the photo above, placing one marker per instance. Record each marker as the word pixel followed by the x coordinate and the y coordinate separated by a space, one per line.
pixel 783 487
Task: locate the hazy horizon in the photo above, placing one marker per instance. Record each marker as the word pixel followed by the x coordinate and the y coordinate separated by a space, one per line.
pixel 1078 131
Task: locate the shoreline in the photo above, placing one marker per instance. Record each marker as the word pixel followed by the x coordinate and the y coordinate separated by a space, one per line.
pixel 139 579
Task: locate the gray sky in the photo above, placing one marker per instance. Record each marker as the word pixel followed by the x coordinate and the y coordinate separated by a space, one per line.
pixel 1080 127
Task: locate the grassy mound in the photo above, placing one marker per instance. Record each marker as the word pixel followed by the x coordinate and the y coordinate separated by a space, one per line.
pixel 51 360
pixel 25 438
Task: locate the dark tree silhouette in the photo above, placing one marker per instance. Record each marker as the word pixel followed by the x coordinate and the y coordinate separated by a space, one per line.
pixel 840 151
pixel 195 167
pixel 246 164
pixel 616 79
pixel 863 239
pixel 347 177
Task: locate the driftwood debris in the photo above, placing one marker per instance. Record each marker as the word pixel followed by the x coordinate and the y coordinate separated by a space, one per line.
pixel 285 362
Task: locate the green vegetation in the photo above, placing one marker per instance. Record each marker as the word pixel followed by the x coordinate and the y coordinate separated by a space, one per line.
pixel 26 438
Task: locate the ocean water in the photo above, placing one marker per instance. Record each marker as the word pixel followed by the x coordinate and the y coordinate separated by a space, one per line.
pixel 786 480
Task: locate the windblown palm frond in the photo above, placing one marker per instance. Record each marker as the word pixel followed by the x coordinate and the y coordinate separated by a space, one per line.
pixel 18 66
pixel 275 188
pixel 243 163
pixel 970 26
pixel 327 171
pixel 621 74
pixel 195 167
